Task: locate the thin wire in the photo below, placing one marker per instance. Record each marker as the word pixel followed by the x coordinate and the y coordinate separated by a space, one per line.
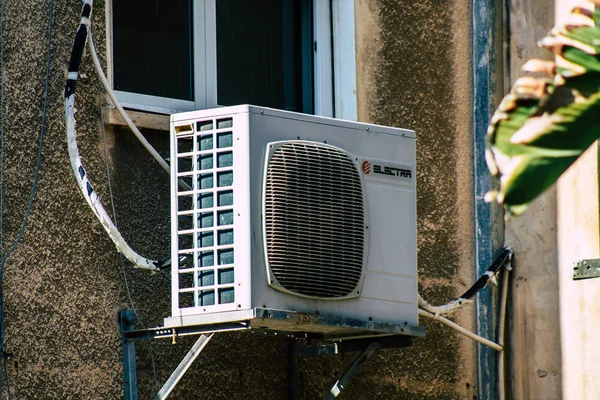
pixel 1 129
pixel 5 256
pixel 114 215
pixel 41 146
pixel 3 373
pixel 1 154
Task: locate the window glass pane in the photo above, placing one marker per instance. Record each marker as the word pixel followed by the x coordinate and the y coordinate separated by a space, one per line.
pixel 152 47
pixel 262 53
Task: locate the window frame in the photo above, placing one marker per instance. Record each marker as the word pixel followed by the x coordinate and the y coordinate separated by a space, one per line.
pixel 333 50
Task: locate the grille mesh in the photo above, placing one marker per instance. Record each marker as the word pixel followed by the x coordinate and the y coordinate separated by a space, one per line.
pixel 314 220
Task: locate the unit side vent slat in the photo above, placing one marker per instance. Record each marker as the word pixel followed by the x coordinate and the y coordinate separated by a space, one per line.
pixel 314 220
pixel 205 212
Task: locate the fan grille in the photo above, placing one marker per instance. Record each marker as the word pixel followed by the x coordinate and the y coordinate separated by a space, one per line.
pixel 314 220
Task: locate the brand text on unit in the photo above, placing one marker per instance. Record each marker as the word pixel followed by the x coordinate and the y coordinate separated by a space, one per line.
pixel 400 172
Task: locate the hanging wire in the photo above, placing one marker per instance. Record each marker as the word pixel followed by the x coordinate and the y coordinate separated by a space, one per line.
pixel 1 129
pixel 41 146
pixel 1 160
pixel 3 372
pixel 5 255
pixel 114 216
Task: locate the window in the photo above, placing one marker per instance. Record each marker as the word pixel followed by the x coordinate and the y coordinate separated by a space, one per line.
pixel 179 55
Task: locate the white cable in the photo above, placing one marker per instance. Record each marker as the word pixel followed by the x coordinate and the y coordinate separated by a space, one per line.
pixel 501 328
pixel 485 279
pixel 445 309
pixel 93 199
pixel 113 98
pixel 80 175
pixel 460 329
pixel 124 114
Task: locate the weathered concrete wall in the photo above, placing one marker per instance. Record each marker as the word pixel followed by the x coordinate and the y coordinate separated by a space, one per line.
pixel 414 72
pixel 533 335
pixel 64 285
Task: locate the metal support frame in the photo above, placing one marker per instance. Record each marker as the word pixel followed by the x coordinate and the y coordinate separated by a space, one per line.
pixel 129 336
pixel 183 366
pixel 126 322
pixel 365 346
pixel 324 346
pixel 586 269
pixel 339 385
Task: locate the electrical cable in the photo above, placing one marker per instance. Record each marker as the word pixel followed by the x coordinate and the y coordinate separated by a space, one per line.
pixel 124 115
pixel 501 329
pixel 113 98
pixel 3 371
pixel 79 171
pixel 1 129
pixel 437 313
pixel 5 255
pixel 488 276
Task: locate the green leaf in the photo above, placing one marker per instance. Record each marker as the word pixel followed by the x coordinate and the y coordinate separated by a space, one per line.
pixel 541 127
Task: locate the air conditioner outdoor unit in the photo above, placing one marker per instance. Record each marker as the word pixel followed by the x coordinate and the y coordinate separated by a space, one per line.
pixel 293 223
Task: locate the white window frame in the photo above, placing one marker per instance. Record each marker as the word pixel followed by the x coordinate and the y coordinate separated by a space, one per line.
pixel 334 93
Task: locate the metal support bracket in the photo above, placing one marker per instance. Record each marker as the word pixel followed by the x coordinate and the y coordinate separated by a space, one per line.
pixel 183 366
pixel 365 346
pixel 398 336
pixel 343 381
pixel 126 322
pixel 129 336
pixel 586 269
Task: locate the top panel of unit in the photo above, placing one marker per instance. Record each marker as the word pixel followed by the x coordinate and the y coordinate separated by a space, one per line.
pixel 248 109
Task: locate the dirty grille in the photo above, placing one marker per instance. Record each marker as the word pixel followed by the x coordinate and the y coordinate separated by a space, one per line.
pixel 314 220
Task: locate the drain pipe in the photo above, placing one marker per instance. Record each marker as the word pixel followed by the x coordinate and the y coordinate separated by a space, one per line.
pixel 489 227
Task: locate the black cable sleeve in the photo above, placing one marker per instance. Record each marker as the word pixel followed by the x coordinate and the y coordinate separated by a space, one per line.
pixel 505 256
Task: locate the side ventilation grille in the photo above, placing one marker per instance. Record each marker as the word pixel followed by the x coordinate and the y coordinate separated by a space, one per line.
pixel 314 220
pixel 204 153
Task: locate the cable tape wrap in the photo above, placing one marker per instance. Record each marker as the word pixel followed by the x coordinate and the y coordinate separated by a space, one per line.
pixel 82 180
pixel 485 279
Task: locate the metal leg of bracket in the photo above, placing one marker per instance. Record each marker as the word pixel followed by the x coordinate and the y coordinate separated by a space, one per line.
pixel 183 366
pixel 308 351
pixel 126 321
pixel 343 381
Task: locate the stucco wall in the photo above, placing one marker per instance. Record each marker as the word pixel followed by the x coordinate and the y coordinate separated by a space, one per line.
pixel 413 60
pixel 64 286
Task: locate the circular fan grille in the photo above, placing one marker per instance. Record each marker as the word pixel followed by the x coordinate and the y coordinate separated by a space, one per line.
pixel 314 220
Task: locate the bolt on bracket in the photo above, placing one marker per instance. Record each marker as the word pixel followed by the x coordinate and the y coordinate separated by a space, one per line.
pixel 586 269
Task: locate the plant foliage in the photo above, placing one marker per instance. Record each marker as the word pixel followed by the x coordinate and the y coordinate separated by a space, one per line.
pixel 546 122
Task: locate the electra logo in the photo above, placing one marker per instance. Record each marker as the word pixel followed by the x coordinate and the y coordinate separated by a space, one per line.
pixel 384 170
pixel 366 167
pixel 374 169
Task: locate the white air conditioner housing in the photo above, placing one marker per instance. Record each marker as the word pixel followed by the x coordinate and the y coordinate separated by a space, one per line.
pixel 293 222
